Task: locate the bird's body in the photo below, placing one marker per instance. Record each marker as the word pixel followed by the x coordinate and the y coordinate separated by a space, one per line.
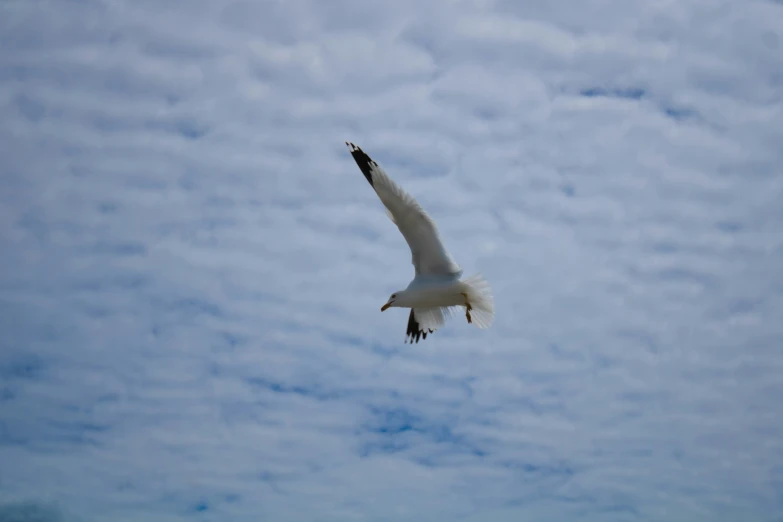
pixel 432 291
pixel 437 286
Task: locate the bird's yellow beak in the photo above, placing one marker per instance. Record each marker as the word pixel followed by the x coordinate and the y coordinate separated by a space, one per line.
pixel 384 307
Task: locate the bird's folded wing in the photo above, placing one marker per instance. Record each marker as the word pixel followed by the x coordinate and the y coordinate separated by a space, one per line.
pixel 429 256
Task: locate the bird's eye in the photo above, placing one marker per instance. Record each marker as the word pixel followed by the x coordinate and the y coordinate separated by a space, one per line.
pixel 394 295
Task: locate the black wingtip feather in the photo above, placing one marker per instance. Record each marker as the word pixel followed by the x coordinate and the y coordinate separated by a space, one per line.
pixel 414 330
pixel 365 162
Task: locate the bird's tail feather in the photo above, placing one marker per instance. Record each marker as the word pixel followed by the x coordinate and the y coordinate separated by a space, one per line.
pixel 481 300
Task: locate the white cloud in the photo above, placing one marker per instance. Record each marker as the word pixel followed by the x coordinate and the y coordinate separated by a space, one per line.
pixel 193 266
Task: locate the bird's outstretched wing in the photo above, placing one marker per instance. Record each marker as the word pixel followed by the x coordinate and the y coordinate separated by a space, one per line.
pixel 429 256
pixel 423 321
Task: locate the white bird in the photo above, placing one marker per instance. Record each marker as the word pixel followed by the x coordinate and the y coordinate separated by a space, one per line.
pixel 437 286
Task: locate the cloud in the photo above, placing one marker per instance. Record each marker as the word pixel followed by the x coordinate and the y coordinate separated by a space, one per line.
pixel 192 264
pixel 29 512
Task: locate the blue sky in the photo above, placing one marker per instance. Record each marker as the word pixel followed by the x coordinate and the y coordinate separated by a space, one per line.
pixel 192 265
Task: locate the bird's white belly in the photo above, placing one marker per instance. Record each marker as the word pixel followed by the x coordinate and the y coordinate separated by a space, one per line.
pixel 439 296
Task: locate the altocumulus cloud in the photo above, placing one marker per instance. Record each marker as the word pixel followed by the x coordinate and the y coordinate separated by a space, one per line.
pixel 192 265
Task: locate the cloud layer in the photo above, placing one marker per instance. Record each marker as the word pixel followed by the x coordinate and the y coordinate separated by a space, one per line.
pixel 192 265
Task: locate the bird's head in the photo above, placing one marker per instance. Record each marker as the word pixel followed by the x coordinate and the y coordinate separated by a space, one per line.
pixel 396 299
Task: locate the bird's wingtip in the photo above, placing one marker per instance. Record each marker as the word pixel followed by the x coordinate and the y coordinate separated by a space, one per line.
pixel 366 163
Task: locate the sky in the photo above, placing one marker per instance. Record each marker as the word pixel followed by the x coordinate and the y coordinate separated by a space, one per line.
pixel 192 266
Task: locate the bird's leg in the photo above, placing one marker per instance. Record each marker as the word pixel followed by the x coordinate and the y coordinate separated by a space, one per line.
pixel 468 308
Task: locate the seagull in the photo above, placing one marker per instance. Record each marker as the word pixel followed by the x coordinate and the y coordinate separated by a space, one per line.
pixel 437 288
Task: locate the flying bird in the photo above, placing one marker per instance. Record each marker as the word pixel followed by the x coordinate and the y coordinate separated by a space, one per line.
pixel 437 288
